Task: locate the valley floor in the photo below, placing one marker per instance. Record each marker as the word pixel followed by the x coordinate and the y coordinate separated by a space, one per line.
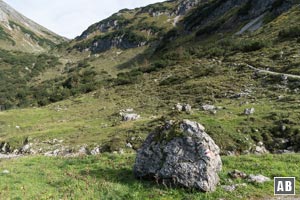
pixel 109 176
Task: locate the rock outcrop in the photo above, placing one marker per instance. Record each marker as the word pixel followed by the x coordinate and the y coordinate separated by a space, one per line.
pixel 180 154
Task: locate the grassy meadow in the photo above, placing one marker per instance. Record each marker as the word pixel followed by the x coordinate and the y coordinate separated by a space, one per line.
pixel 110 176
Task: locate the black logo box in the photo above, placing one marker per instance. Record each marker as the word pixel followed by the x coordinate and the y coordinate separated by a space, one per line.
pixel 284 185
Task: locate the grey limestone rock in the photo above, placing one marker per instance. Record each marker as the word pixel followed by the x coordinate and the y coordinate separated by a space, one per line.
pixel 258 178
pixel 180 154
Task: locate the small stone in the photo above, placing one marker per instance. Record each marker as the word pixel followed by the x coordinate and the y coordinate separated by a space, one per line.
pixel 5 171
pixel 208 107
pixel 83 151
pixel 237 174
pixel 16 151
pixel 260 144
pixel 249 111
pixel 283 128
pixel 229 188
pixel 213 112
pixel 96 151
pixel 129 116
pixel 26 148
pixel 128 145
pixel 187 108
pixel 121 151
pixel 49 154
pixel 178 107
pixel 56 152
pixel 258 178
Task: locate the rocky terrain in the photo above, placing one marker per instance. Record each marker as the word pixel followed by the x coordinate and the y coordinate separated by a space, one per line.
pixel 134 92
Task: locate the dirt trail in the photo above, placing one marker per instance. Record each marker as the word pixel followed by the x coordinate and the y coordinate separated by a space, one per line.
pixel 272 73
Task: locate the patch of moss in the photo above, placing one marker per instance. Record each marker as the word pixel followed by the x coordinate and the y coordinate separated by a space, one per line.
pixel 161 134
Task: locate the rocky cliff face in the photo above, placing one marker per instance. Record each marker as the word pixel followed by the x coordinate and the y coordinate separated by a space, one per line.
pixel 186 5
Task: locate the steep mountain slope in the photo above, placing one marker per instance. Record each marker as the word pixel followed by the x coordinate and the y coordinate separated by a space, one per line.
pixel 134 28
pixel 20 33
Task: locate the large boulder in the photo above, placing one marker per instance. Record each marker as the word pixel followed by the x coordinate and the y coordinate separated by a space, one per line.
pixel 180 153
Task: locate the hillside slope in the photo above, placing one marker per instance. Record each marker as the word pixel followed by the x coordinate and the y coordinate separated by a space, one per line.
pixel 203 60
pixel 17 32
pixel 235 62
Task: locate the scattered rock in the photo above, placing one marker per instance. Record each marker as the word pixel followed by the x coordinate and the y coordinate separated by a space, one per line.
pixel 228 188
pixel 231 188
pixel 208 107
pixel 213 112
pixel 178 107
pixel 284 77
pixel 96 151
pixel 187 108
pixel 4 147
pixel 121 151
pixel 190 159
pixel 63 152
pixel 83 151
pixel 258 178
pixel 237 174
pixel 240 95
pixel 285 151
pixel 249 111
pixel 16 151
pixel 128 110
pixel 26 149
pixel 129 145
pixel 129 116
pixel 5 171
pixel 183 107
pixel 260 149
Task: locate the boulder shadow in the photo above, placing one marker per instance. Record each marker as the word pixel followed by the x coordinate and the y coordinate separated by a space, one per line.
pixel 122 175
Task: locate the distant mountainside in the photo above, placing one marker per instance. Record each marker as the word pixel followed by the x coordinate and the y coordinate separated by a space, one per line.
pixel 161 22
pixel 17 32
pixel 134 28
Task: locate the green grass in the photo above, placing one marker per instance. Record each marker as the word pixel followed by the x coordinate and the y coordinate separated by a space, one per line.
pixel 110 176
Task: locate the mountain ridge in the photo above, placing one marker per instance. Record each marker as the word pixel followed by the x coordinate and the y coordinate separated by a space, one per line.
pixel 21 33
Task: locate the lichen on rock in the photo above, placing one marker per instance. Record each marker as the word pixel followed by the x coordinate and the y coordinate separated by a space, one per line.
pixel 180 154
